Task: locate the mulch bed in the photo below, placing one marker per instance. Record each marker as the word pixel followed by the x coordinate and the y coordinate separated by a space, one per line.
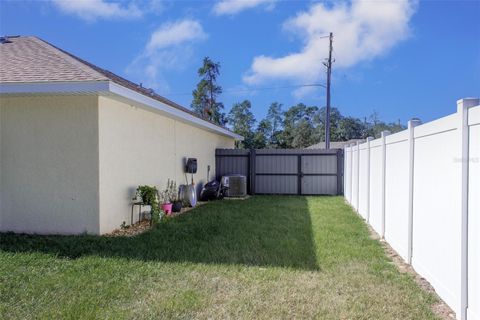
pixel 144 225
pixel 132 230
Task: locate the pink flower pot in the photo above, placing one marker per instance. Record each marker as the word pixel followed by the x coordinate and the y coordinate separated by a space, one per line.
pixel 167 208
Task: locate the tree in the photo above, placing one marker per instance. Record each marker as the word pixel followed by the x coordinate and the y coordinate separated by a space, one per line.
pixel 293 117
pixel 350 128
pixel 205 96
pixel 303 134
pixel 396 127
pixel 275 118
pixel 241 121
pixel 374 118
pixel 335 118
pixel 262 134
pixel 374 127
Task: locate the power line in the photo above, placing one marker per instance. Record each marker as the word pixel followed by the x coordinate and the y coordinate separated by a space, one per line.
pixel 255 89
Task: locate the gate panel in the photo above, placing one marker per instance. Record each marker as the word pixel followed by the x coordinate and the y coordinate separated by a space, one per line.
pixel 285 171
pixel 276 164
pixel 319 174
pixel 319 185
pixel 319 164
pixel 276 174
pixel 266 184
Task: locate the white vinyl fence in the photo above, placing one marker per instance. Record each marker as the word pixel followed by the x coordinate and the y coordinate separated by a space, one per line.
pixel 420 190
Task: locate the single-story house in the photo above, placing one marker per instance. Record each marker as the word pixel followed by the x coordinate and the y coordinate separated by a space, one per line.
pixel 76 140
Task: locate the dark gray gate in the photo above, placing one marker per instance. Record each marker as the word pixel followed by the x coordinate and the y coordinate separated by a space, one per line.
pixel 285 171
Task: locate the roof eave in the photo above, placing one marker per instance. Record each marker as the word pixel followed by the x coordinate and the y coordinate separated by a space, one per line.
pixel 170 111
pixel 109 88
pixel 57 87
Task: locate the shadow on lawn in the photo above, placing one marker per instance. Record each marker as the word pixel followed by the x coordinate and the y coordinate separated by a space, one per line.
pixel 260 231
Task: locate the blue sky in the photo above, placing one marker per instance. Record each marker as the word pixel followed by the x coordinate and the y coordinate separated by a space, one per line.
pixel 402 59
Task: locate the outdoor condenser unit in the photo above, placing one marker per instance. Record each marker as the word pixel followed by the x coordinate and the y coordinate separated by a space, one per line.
pixel 236 185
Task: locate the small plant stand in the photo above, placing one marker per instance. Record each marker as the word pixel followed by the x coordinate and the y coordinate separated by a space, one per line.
pixel 140 205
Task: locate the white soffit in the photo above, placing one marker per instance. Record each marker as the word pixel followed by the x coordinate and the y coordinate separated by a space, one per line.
pixel 54 87
pixel 111 89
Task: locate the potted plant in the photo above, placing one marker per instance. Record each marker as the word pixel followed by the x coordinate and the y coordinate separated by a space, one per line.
pixel 149 197
pixel 166 205
pixel 166 197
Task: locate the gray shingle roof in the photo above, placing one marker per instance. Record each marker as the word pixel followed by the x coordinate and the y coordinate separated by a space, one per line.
pixel 29 59
pixel 33 60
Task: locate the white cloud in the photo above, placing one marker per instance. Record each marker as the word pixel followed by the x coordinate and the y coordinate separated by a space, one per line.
pixel 170 47
pixel 175 33
pixel 362 31
pixel 235 6
pixel 91 10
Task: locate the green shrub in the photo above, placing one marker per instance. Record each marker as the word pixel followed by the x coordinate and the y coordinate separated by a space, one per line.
pixel 149 197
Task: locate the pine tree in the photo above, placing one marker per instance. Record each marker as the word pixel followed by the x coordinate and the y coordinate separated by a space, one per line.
pixel 262 134
pixel 205 96
pixel 275 118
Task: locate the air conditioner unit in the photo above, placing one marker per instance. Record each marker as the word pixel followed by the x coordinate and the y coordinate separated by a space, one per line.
pixel 236 185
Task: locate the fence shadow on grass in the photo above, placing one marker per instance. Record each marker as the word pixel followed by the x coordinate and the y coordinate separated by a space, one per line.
pixel 261 231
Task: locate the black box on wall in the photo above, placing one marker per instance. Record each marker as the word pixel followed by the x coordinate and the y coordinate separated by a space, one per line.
pixel 191 166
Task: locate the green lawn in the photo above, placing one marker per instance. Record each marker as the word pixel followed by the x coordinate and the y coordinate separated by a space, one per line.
pixel 265 257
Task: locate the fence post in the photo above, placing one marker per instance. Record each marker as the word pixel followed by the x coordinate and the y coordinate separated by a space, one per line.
pixel 462 111
pixel 384 162
pixel 411 143
pixel 252 156
pixel 368 177
pixel 357 165
pixel 340 173
pixel 217 165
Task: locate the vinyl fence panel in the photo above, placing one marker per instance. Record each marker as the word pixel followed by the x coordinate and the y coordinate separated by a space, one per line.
pixel 347 175
pixel 424 199
pixel 363 180
pixel 355 165
pixel 436 203
pixel 376 185
pixel 396 192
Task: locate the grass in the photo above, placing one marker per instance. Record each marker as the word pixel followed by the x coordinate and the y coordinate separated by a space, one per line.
pixel 265 258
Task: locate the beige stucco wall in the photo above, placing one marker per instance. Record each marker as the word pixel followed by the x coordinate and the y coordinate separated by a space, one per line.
pixel 139 146
pixel 49 164
pixel 70 164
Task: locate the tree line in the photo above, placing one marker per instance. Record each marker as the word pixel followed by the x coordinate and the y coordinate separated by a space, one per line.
pixel 298 126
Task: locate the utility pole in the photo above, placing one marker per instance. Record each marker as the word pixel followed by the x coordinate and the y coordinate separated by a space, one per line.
pixel 329 74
